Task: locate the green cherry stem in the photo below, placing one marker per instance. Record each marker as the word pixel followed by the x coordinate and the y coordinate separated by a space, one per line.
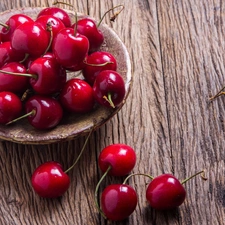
pixel 221 92
pixel 200 172
pixel 20 74
pixel 137 174
pixel 81 152
pixel 4 25
pixel 31 113
pixel 96 191
pixel 114 16
pixel 109 99
pixel 103 64
pixel 49 29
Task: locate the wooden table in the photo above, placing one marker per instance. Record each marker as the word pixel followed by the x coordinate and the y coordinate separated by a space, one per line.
pixel 177 52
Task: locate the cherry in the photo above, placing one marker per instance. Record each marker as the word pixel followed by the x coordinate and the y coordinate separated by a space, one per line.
pixel 12 83
pixel 11 24
pixel 10 106
pixel 88 28
pixel 76 46
pixel 120 158
pixel 58 13
pixel 118 201
pixel 109 88
pixel 48 76
pixel 77 96
pixel 48 20
pixel 8 55
pixel 97 62
pixel 31 38
pixel 166 192
pixel 49 180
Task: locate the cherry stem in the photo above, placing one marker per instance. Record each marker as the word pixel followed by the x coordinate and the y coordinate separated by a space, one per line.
pixel 75 27
pixel 49 29
pixel 137 174
pixel 20 74
pixel 25 58
pixel 31 113
pixel 221 92
pixel 81 152
pixel 114 16
pixel 201 172
pixel 109 99
pixel 64 3
pixel 4 25
pixel 96 191
pixel 103 64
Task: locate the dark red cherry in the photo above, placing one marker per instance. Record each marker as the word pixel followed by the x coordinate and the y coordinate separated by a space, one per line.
pixel 13 83
pixel 109 88
pixel 49 180
pixel 47 21
pixel 70 49
pixel 77 96
pixel 97 62
pixel 10 106
pixel 118 201
pixel 58 13
pixel 11 24
pixel 8 55
pixel 165 192
pixel 120 157
pixel 45 112
pixel 50 76
pixel 30 38
pixel 88 28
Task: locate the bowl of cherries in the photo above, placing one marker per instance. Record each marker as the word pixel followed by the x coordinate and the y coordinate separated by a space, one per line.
pixel 61 74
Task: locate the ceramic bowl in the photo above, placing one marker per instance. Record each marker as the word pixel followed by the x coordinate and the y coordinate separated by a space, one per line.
pixel 73 125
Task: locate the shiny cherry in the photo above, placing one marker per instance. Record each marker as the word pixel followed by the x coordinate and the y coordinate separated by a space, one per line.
pixel 70 48
pixel 43 112
pixel 11 24
pixel 118 201
pixel 88 28
pixel 165 192
pixel 12 83
pixel 109 88
pixel 30 38
pixel 49 77
pixel 77 96
pixel 10 106
pixel 49 180
pixel 58 13
pixel 97 62
pixel 120 158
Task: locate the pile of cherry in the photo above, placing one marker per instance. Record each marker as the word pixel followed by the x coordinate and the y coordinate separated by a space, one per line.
pixel 36 56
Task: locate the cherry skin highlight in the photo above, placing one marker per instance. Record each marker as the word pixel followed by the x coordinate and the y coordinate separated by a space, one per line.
pixel 49 180
pixel 165 192
pixel 120 157
pixel 10 106
pixel 118 201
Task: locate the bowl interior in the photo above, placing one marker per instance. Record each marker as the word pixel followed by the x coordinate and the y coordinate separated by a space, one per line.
pixel 72 125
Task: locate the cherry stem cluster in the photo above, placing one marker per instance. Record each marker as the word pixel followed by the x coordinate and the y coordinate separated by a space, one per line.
pixel 114 15
pixel 81 152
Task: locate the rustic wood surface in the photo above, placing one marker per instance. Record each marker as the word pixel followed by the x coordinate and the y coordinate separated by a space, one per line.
pixel 177 52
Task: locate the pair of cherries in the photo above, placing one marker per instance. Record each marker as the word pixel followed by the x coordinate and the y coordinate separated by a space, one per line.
pixel 38 47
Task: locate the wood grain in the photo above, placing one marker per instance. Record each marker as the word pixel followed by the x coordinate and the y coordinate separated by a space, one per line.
pixel 177 53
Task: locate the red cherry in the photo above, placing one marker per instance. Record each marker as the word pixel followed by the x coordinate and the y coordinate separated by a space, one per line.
pixel 97 62
pixel 30 38
pixel 88 28
pixel 11 24
pixel 58 13
pixel 51 76
pixel 8 55
pixel 109 88
pixel 44 112
pixel 118 201
pixel 49 180
pixel 165 192
pixel 120 157
pixel 77 96
pixel 10 107
pixel 70 49
pixel 12 83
